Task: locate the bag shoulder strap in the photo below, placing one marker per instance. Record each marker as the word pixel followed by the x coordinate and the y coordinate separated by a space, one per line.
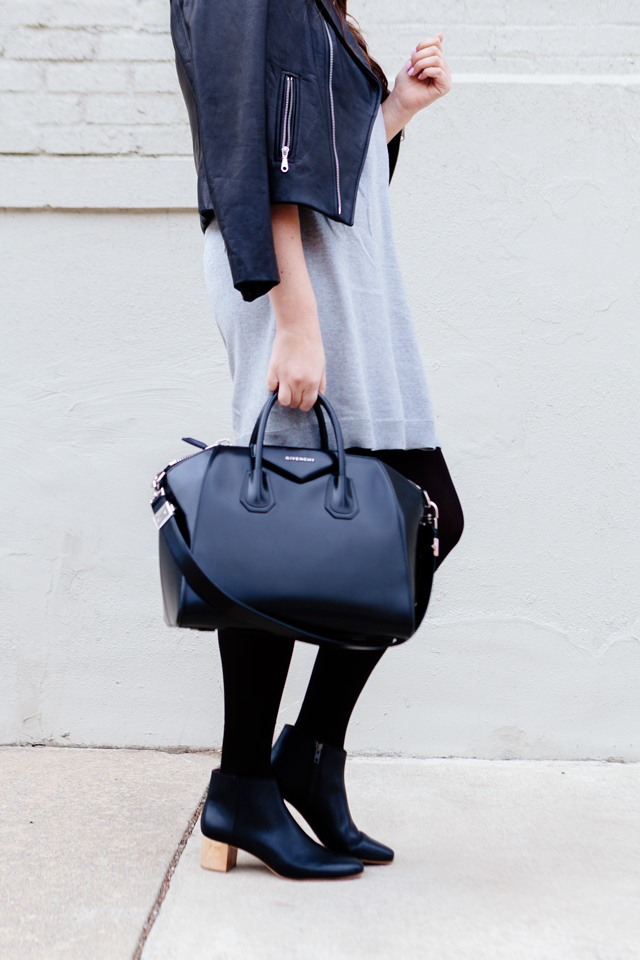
pixel 211 593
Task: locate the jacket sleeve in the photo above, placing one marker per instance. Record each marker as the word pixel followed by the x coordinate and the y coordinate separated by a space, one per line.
pixel 227 48
pixel 393 148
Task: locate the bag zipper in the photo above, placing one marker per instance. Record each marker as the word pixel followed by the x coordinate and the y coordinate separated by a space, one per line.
pixel 156 483
pixel 333 118
pixel 287 116
pixel 431 516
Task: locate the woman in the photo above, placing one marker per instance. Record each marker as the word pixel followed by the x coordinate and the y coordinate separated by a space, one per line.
pixel 291 121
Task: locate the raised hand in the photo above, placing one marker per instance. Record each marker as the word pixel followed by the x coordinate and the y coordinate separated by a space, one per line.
pixel 424 78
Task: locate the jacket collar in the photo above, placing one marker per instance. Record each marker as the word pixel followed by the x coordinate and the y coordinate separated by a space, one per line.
pixel 346 36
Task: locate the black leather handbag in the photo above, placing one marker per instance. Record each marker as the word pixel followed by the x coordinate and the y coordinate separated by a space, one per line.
pixel 314 545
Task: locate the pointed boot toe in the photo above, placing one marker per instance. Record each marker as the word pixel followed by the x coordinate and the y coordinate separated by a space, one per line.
pixel 370 851
pixel 246 813
pixel 311 778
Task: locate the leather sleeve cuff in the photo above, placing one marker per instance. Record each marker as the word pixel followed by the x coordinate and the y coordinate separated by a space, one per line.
pixel 252 289
pixel 394 149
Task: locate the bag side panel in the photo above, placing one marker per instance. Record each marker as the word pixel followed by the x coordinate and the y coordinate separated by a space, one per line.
pixel 411 507
pixel 183 607
pixel 171 580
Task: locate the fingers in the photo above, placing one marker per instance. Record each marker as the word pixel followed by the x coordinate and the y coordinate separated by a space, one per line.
pixel 284 395
pixel 429 50
pixel 428 63
pixel 272 380
pixel 297 396
pixel 426 58
pixel 293 391
pixel 308 399
pixel 431 42
pixel 433 73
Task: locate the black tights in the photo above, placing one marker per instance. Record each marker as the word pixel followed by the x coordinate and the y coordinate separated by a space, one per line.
pixel 255 663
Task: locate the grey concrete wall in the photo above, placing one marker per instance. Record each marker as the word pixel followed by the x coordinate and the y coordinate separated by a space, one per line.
pixel 516 205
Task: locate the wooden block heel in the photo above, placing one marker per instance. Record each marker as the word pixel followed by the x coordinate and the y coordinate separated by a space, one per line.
pixel 217 856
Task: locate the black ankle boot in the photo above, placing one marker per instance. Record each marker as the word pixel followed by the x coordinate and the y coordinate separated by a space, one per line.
pixel 311 777
pixel 248 813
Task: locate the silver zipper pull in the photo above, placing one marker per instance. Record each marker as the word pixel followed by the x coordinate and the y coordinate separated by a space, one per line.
pixel 284 166
pixel 318 752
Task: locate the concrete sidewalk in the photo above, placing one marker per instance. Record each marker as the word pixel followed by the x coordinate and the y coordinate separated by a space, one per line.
pixel 509 859
pixel 86 837
pixel 494 861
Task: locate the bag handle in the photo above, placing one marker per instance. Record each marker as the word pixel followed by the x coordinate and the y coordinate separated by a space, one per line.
pixel 239 613
pixel 322 426
pixel 340 501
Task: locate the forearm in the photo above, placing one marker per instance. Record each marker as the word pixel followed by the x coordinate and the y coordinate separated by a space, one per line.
pixel 293 299
pixel 297 364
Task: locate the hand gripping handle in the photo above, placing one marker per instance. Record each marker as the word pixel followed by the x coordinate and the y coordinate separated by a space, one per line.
pixel 257 495
pixel 322 426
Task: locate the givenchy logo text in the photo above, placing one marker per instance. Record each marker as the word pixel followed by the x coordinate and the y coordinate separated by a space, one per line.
pixel 302 459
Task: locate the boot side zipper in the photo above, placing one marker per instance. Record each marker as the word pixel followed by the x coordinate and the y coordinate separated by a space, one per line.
pixel 333 119
pixel 314 782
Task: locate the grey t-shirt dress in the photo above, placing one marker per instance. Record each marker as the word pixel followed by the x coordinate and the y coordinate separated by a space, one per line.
pixel 375 378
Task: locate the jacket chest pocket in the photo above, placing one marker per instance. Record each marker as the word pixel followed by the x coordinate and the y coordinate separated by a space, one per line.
pixel 287 120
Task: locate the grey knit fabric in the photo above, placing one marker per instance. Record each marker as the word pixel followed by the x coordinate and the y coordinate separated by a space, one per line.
pixel 375 377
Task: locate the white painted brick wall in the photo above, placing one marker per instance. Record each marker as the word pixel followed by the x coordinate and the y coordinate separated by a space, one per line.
pixel 96 77
pixel 515 212
pixel 89 78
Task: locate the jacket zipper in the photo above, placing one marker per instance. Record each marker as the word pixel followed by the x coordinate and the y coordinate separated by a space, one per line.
pixel 333 118
pixel 287 115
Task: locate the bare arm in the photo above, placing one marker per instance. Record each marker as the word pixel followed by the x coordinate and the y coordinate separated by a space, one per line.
pixel 425 78
pixel 297 365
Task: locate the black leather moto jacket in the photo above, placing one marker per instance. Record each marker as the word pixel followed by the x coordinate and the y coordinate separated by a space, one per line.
pixel 281 103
